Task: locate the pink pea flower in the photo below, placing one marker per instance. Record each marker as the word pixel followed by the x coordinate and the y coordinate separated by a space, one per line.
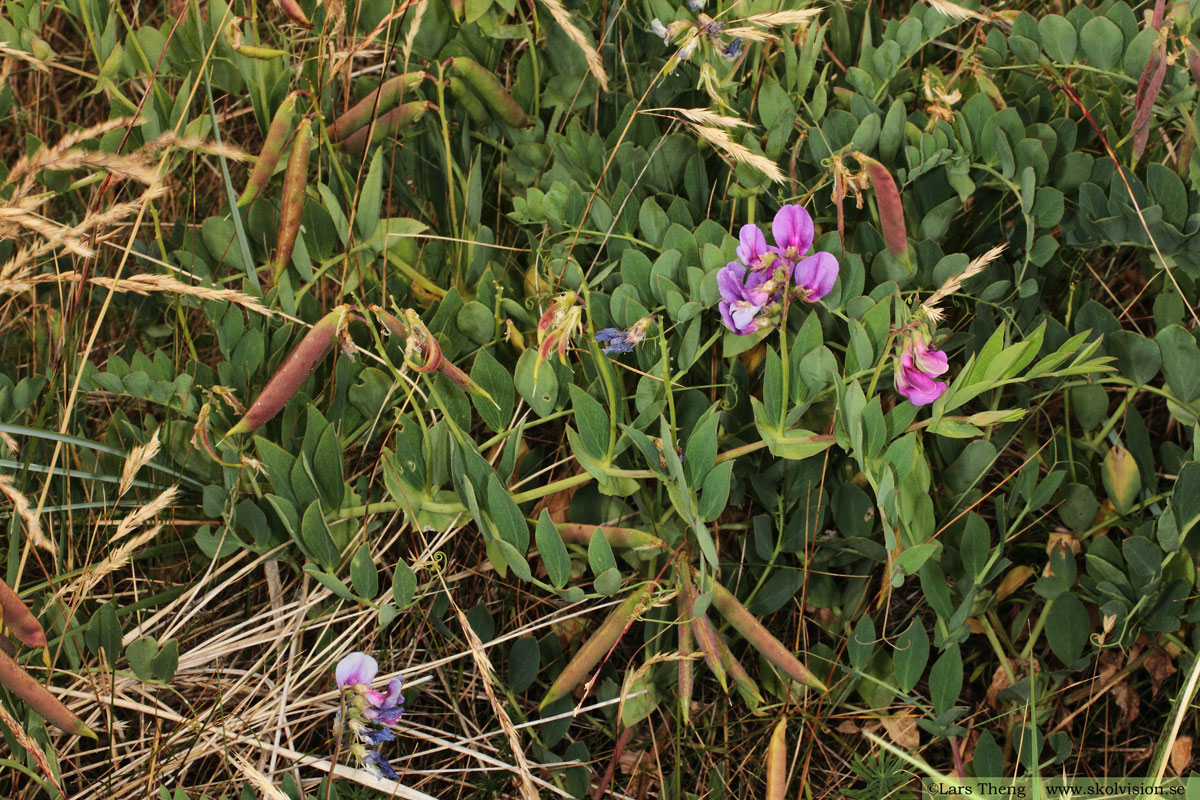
pixel 918 365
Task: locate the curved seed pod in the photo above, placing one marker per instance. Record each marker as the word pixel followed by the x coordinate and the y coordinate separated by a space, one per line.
pixel 17 616
pixel 277 136
pixel 294 181
pixel 707 638
pixel 687 675
pixel 748 626
pixel 389 93
pixel 597 647
pixel 387 125
pixel 37 697
pixel 746 685
pixel 574 533
pixel 292 373
pixel 295 13
pixel 777 762
pixel 492 91
pixel 891 210
pixel 258 53
pixel 468 100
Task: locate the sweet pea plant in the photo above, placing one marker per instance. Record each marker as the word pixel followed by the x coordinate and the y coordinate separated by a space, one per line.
pixel 712 399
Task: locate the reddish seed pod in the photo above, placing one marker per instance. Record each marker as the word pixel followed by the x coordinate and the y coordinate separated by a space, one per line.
pixel 748 626
pixel 492 91
pixel 277 136
pixel 687 673
pixel 37 697
pixel 295 180
pixel 292 373
pixel 17 616
pixel 596 648
pixel 295 13
pixel 386 126
pixel 383 99
pixel 1145 103
pixel 707 638
pixel 891 210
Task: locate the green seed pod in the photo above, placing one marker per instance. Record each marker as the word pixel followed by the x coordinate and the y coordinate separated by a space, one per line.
pixel 707 638
pixel 294 181
pixel 295 13
pixel 748 626
pixel 574 533
pixel 17 616
pixel 746 686
pixel 258 53
pixel 1122 479
pixel 292 373
pixel 277 135
pixel 891 210
pixel 386 126
pixel 37 697
pixel 383 99
pixel 595 648
pixel 492 91
pixel 468 100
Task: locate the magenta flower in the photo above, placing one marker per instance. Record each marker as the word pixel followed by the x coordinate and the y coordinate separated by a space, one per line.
pixel 753 291
pixel 743 298
pixel 814 276
pixel 753 246
pixel 793 232
pixel 919 365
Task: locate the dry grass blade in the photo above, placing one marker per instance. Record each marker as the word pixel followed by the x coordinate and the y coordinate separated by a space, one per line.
pixel 30 746
pixel 144 513
pixel 739 153
pixel 33 525
pixel 773 19
pixel 932 306
pixel 138 457
pixel 705 116
pixel 957 12
pixel 257 778
pixel 92 576
pixel 145 284
pixel 197 145
pixel 55 235
pixel 486 670
pixel 47 157
pixel 563 18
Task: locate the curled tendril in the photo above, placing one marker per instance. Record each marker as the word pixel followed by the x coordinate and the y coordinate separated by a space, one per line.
pixel 436 564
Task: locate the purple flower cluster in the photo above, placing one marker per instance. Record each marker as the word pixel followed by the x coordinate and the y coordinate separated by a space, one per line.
pixel 370 713
pixel 753 290
pixel 918 365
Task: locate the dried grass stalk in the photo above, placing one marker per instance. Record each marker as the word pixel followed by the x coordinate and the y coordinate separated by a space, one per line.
pixel 739 153
pixel 33 525
pixel 119 558
pixel 144 513
pixel 563 18
pixel 932 306
pixel 705 116
pixel 138 457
